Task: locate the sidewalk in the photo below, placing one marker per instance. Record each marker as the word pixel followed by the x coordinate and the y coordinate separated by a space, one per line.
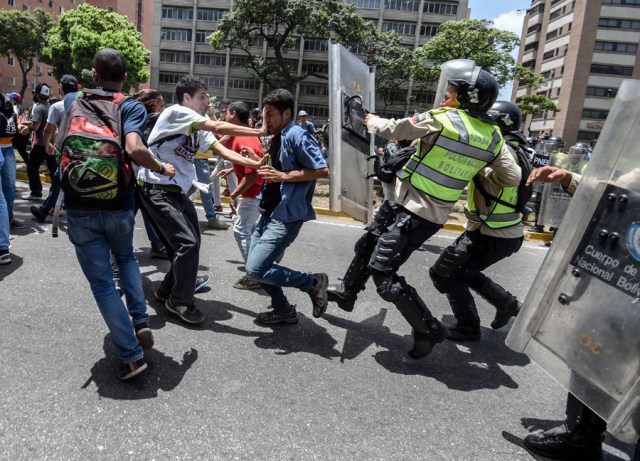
pixel 451 225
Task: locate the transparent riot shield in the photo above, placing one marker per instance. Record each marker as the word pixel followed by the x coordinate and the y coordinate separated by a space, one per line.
pixel 351 86
pixel 581 318
pixel 554 199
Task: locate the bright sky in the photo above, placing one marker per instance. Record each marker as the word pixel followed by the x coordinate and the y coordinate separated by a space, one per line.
pixel 506 15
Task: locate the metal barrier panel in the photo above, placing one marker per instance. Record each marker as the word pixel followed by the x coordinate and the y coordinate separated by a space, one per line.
pixel 581 318
pixel 351 86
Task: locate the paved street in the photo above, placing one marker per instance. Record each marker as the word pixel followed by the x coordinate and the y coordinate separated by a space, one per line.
pixel 337 388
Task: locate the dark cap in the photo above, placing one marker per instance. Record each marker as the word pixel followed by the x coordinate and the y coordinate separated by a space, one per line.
pixel 69 84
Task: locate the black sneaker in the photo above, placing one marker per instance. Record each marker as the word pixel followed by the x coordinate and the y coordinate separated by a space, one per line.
pixel 17 224
pixel 504 314
pixel 560 443
pixel 190 314
pixel 273 318
pixel 343 298
pixel 162 294
pixel 129 370
pixel 460 332
pixel 201 282
pixel 144 335
pixel 5 257
pixel 318 295
pixel 158 254
pixel 39 215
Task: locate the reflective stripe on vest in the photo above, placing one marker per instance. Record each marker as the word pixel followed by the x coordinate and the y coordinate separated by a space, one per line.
pixel 464 146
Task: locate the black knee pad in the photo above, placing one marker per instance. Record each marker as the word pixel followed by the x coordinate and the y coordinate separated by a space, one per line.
pixel 440 283
pixel 389 291
pixel 386 255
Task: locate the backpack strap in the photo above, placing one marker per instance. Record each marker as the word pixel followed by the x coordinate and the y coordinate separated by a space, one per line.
pixel 491 198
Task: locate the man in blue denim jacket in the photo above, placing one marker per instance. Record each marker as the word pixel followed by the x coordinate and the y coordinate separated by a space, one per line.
pixel 290 179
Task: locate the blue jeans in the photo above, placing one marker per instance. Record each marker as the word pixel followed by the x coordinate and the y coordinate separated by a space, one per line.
pixel 96 234
pixel 202 173
pixel 269 241
pixel 8 174
pixel 4 212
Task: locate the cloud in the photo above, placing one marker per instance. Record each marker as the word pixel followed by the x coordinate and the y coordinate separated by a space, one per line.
pixel 511 21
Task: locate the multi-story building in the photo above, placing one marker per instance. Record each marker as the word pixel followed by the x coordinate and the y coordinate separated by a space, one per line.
pixel 585 49
pixel 181 28
pixel 138 12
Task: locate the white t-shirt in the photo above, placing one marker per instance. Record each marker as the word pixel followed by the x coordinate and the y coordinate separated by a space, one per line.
pixel 56 113
pixel 176 125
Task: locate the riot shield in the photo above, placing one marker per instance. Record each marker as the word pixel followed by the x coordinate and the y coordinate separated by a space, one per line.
pixel 554 199
pixel 581 319
pixel 351 96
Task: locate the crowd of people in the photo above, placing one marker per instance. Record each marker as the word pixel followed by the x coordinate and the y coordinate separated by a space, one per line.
pixel 271 164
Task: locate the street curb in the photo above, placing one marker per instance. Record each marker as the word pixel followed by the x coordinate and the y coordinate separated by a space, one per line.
pixel 449 226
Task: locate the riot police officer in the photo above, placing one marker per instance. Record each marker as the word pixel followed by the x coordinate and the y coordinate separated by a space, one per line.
pixel 493 232
pixel 455 142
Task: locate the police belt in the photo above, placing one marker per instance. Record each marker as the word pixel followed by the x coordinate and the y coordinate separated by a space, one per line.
pixel 165 187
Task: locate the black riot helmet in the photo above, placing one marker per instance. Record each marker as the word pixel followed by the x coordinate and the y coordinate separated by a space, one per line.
pixel 507 115
pixel 557 140
pixel 477 88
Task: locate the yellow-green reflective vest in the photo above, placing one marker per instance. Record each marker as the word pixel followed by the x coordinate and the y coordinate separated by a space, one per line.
pixel 500 215
pixel 465 146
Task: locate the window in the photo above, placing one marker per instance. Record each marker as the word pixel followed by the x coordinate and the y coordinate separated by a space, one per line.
pixel 169 98
pixel 62 9
pixel 447 9
pixel 11 81
pixel 110 9
pixel 314 89
pixel 425 98
pixel 529 64
pixel 588 135
pixel 316 45
pixel 534 28
pixel 617 47
pixel 202 36
pixel 531 46
pixel 50 3
pixel 244 83
pixel 595 114
pixel 315 67
pixel 619 23
pixel 213 81
pixel 317 111
pixel 11 61
pixel 556 14
pixel 549 54
pixel 169 77
pixel 12 2
pixel 401 28
pixel 180 57
pixel 255 42
pixel 539 8
pixel 209 14
pixel 364 4
pixel 553 34
pixel 402 5
pixel 208 59
pixel 600 92
pixel 611 70
pixel 621 2
pixel 176 35
pixel 428 30
pixel 237 61
pixel 174 12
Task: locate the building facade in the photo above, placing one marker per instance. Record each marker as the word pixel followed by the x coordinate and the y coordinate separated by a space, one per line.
pixel 138 12
pixel 585 49
pixel 181 28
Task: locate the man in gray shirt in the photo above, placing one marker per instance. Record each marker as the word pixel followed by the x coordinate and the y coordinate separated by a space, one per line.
pixel 38 153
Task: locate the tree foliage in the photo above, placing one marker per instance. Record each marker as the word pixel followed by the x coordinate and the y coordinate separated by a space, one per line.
pixel 22 35
pixel 278 23
pixel 81 32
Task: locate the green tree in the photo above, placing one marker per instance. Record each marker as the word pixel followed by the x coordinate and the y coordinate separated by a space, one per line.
pixel 278 23
pixel 22 35
pixel 83 31
pixel 491 49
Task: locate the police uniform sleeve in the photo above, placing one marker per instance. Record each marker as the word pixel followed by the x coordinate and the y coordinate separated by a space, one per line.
pixel 505 171
pixel 415 127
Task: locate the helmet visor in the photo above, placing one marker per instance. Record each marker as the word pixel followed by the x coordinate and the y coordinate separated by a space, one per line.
pixel 457 70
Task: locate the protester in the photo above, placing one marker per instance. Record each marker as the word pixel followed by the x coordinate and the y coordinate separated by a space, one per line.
pixel 38 153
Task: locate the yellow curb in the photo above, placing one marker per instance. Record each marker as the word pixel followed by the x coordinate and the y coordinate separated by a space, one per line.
pixel 449 226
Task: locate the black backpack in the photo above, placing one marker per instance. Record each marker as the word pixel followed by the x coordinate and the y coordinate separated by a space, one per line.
pixel 524 191
pixel 387 166
pixel 8 120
